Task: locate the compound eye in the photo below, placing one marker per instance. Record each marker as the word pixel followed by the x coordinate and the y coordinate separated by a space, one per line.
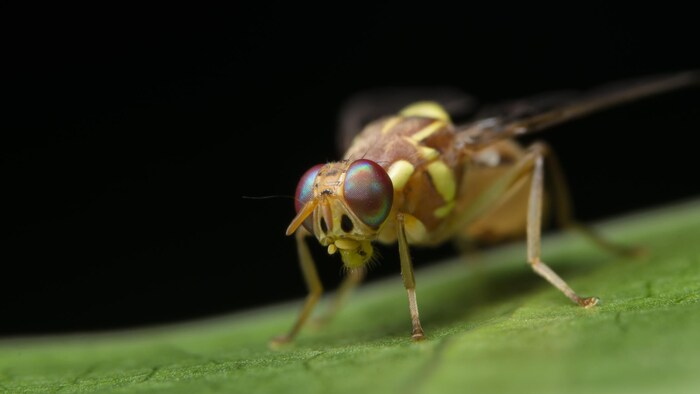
pixel 305 192
pixel 368 192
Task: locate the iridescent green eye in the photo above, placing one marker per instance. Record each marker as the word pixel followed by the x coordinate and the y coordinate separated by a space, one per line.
pixel 368 192
pixel 305 192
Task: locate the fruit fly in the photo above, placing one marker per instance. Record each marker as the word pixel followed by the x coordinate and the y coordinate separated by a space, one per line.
pixel 415 178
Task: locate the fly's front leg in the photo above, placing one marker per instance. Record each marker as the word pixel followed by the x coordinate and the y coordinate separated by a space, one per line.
pixel 534 228
pixel 409 281
pixel 313 283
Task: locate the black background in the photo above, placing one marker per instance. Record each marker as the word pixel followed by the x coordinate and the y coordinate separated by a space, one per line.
pixel 129 139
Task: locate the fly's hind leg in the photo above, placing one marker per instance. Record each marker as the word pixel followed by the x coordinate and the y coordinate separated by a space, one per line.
pixel 529 167
pixel 564 210
pixel 354 277
pixel 534 227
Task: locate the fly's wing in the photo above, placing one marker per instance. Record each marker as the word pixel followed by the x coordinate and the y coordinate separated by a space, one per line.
pixel 520 108
pixel 367 106
pixel 527 116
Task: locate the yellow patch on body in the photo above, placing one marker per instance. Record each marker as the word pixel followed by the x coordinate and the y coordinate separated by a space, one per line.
pixel 443 179
pixel 400 172
pixel 415 229
pixel 444 210
pixel 390 123
pixel 428 153
pixel 428 130
pixel 426 109
pixel 425 152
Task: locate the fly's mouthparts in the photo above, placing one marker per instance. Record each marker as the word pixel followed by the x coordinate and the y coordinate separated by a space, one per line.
pixel 346 244
pixel 332 249
pixel 342 244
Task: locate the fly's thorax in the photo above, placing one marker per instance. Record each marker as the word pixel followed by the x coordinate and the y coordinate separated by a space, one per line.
pixel 417 149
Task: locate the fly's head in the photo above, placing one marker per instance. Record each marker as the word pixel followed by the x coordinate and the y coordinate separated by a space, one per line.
pixel 344 205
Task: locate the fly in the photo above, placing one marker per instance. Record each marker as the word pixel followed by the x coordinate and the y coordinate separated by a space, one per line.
pixel 415 178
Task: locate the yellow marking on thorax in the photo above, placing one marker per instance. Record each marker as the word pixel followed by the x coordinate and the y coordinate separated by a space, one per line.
pixel 426 109
pixel 443 180
pixel 428 130
pixel 390 123
pixel 415 229
pixel 444 210
pixel 427 153
pixel 400 172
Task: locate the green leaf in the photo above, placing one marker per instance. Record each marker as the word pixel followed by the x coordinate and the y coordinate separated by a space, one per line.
pixel 492 326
